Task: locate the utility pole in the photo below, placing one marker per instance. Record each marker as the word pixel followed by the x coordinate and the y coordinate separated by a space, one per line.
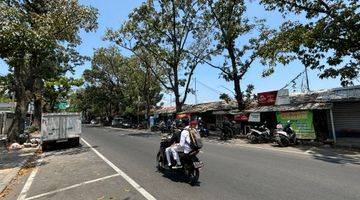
pixel 307 79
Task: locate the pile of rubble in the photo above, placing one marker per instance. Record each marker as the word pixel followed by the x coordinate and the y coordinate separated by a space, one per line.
pixel 33 141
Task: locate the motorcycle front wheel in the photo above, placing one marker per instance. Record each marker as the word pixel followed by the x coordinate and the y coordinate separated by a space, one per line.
pixel 159 162
pixel 192 175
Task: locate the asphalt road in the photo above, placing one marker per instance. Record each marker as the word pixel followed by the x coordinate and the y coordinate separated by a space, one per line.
pixel 230 172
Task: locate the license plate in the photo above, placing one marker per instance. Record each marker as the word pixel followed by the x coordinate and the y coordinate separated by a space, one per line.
pixel 62 140
pixel 198 164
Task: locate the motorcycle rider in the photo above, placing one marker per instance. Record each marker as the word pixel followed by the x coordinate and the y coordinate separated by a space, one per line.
pixel 184 145
pixel 174 140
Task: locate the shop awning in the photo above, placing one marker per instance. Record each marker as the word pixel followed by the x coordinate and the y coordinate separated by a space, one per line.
pixel 292 107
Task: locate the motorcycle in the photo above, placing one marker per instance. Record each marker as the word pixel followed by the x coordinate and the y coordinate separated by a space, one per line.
pixel 204 132
pixel 191 165
pixel 259 134
pixel 285 136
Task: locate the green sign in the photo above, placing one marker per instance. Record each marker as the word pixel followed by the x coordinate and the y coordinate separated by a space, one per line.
pixel 62 105
pixel 301 122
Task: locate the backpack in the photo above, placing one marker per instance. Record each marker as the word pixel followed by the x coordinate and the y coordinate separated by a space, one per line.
pixel 195 140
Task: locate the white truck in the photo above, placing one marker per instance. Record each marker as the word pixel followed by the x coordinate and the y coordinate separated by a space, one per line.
pixel 60 127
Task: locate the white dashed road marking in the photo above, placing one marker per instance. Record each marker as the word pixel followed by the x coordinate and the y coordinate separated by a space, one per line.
pixel 30 180
pixel 140 189
pixel 71 187
pixel 27 185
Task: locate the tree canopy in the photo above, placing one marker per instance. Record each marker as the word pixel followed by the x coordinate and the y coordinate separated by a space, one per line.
pixel 236 41
pixel 117 85
pixel 37 41
pixel 171 32
pixel 329 40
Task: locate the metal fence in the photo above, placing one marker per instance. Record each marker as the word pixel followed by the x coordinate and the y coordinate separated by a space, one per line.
pixel 6 119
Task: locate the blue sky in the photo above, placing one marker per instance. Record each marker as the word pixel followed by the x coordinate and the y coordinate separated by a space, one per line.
pixel 114 12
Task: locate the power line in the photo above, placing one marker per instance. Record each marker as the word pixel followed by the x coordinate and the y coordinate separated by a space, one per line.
pixel 232 92
pixel 208 87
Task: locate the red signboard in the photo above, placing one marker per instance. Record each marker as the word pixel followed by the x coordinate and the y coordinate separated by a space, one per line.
pixel 241 117
pixel 267 98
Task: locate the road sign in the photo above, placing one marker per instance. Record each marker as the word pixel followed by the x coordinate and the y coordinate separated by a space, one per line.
pixel 62 105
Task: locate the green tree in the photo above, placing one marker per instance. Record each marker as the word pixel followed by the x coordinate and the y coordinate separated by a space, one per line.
pixel 171 32
pixel 6 88
pixel 231 35
pixel 329 40
pixel 58 90
pixel 124 84
pixel 108 68
pixel 36 38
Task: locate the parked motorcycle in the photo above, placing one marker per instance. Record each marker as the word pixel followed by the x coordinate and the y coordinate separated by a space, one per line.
pixel 259 134
pixel 204 132
pixel 285 136
pixel 227 130
pixel 191 165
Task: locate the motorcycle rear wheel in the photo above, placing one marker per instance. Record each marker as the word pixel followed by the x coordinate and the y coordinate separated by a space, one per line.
pixel 253 139
pixel 283 142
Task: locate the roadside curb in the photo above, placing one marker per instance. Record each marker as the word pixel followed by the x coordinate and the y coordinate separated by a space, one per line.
pixel 131 130
pixel 14 172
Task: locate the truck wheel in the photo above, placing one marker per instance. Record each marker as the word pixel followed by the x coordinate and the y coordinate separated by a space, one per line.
pixel 44 147
pixel 75 142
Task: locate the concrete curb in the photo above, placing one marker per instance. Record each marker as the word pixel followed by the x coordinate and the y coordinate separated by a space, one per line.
pixel 14 172
pixel 132 130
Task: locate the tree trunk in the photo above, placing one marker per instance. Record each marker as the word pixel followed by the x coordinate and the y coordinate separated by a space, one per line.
pixel 18 124
pixel 147 94
pixel 238 94
pixel 22 97
pixel 38 95
pixel 235 77
pixel 178 103
pixel 37 111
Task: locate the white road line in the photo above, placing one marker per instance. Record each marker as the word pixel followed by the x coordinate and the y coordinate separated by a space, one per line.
pixel 140 189
pixel 71 187
pixel 27 185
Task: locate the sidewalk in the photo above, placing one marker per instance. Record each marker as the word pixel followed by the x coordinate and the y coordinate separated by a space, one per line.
pixel 74 173
pixel 10 164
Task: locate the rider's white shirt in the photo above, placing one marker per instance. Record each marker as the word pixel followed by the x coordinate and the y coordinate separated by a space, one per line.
pixel 185 140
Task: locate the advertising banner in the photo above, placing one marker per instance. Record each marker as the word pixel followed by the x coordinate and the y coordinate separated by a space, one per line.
pixel 267 98
pixel 301 122
pixel 282 97
pixel 254 117
pixel 241 117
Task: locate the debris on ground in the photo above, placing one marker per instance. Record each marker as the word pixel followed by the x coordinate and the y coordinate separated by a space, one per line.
pixel 15 146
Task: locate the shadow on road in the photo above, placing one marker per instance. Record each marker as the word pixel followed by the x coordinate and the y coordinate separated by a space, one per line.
pixel 65 149
pixel 144 134
pixel 317 151
pixel 327 154
pixel 176 176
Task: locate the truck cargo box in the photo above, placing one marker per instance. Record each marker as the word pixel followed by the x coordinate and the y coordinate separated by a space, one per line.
pixel 60 127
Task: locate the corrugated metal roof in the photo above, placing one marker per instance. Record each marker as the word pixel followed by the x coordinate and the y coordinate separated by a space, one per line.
pixel 166 110
pixel 292 107
pixel 210 106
